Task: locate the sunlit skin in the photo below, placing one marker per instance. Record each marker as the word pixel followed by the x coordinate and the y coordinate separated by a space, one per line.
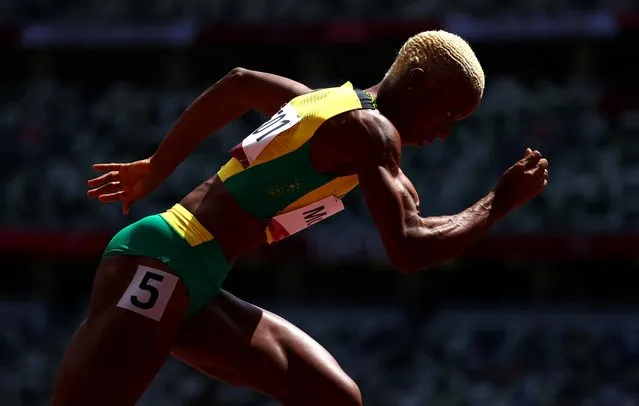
pixel 237 342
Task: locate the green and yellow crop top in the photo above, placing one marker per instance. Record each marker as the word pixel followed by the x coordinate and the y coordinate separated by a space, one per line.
pixel 271 175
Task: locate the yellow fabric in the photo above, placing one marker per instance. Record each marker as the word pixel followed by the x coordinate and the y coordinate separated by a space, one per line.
pixel 186 225
pixel 338 187
pixel 314 108
pixel 232 167
pixel 269 236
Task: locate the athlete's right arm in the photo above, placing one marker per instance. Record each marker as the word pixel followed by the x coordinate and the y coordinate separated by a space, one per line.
pixel 236 93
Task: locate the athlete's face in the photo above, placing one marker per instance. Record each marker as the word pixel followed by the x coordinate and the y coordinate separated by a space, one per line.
pixel 433 107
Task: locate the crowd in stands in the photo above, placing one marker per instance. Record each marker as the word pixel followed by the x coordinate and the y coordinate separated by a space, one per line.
pixel 287 10
pixel 459 358
pixel 52 131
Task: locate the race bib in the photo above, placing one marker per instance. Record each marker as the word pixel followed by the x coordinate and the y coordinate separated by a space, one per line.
pixel 287 224
pixel 254 144
pixel 149 292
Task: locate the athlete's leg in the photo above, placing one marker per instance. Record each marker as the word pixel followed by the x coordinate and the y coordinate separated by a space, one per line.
pixel 136 308
pixel 244 345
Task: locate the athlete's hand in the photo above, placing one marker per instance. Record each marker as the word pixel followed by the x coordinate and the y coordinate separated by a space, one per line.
pixel 127 183
pixel 521 182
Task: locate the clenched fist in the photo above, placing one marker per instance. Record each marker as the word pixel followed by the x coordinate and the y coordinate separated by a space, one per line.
pixel 521 182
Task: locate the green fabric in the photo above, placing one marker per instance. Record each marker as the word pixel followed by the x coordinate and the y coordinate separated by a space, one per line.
pixel 202 268
pixel 265 189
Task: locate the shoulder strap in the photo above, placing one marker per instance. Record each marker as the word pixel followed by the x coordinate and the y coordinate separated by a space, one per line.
pixel 366 100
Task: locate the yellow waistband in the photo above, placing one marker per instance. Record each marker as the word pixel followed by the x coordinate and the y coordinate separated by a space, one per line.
pixel 186 225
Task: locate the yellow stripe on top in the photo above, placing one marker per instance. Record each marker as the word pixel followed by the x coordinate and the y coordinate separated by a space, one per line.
pixel 338 187
pixel 186 225
pixel 314 108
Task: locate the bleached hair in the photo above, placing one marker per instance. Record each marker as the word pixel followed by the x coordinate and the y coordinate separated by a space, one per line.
pixel 442 55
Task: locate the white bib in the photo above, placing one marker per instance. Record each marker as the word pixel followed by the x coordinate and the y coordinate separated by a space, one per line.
pixel 281 121
pixel 284 225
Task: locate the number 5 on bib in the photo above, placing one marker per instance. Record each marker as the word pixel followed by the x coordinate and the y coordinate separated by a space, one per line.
pixel 149 292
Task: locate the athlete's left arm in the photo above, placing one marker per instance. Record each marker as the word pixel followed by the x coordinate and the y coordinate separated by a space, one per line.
pixel 236 93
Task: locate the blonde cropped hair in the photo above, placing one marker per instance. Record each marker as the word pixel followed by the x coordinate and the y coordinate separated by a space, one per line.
pixel 442 55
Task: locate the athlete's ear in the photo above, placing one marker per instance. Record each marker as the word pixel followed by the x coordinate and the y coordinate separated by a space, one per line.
pixel 417 80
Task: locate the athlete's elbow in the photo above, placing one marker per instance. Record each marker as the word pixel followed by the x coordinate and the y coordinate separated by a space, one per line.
pixel 238 86
pixel 237 75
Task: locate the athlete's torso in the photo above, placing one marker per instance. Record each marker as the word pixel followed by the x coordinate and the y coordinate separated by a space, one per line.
pixel 283 177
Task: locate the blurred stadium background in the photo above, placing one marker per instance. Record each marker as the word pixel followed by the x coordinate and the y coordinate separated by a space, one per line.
pixel 541 312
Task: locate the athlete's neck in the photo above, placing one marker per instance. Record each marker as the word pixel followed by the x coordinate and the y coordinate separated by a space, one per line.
pixel 373 90
pixel 387 103
pixel 383 99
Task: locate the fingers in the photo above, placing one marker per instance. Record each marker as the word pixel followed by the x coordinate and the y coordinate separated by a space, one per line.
pixel 107 167
pixel 107 189
pixel 110 177
pixel 112 192
pixel 532 159
pixel 543 162
pixel 540 168
pixel 528 152
pixel 113 197
pixel 540 173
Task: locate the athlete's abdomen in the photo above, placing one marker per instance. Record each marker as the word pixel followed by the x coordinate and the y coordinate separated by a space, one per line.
pixel 231 225
pixel 265 190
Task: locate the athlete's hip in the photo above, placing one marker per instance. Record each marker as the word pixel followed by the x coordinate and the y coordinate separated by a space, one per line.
pixel 201 264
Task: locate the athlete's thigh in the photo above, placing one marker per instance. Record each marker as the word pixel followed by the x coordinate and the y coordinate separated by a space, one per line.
pixel 239 343
pixel 135 311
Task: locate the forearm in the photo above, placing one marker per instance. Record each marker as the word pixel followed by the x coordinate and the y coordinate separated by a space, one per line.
pixel 217 106
pixel 440 239
pixel 437 222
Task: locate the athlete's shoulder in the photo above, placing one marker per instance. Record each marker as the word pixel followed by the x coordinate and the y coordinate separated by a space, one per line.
pixel 376 136
pixel 364 139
